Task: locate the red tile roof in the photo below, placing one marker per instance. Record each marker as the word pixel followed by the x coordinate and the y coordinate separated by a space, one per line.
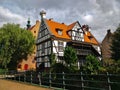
pixel 52 25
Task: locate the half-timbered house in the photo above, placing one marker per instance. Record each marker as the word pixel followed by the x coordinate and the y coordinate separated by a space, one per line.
pixel 53 37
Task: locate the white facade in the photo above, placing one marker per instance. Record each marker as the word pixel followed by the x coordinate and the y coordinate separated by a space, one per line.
pixel 43 46
pixel 48 44
pixel 77 33
pixel 58 48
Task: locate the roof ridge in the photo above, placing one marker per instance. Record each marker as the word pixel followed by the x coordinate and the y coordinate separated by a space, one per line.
pixel 71 25
pixel 56 22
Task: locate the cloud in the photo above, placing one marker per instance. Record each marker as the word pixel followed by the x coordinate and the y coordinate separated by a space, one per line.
pixel 6 16
pixel 88 18
pixel 100 15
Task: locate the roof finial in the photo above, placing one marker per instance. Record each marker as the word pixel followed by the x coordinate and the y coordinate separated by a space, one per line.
pixel 43 14
pixel 28 24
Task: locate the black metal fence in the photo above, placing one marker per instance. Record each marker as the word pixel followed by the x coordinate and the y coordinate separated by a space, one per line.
pixel 68 81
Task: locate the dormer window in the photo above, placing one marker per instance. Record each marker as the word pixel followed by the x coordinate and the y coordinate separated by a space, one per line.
pixel 69 32
pixel 59 31
pixel 90 37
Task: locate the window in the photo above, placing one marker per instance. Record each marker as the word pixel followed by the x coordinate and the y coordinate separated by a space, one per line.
pixel 69 33
pixel 59 31
pixel 49 43
pixel 19 66
pixel 34 52
pixel 42 33
pixel 60 46
pixel 43 47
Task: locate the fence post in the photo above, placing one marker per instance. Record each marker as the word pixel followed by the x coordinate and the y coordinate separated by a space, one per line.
pixel 82 82
pixel 15 75
pixel 5 75
pixel 25 77
pixel 63 80
pixel 108 80
pixel 39 77
pixel 49 79
pixel 31 77
pixel 19 77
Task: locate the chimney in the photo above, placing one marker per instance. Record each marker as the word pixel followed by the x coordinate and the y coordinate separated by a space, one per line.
pixel 108 31
pixel 43 14
pixel 85 28
pixel 51 19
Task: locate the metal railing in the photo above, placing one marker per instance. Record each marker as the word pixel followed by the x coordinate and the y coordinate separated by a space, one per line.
pixel 69 81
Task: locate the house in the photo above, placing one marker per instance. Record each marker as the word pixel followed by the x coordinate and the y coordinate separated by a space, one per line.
pixel 30 62
pixel 53 37
pixel 106 43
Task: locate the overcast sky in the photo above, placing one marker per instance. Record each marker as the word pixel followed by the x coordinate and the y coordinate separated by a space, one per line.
pixel 100 15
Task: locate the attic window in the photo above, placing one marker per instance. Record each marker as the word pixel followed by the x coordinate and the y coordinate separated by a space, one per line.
pixel 90 37
pixel 69 32
pixel 59 31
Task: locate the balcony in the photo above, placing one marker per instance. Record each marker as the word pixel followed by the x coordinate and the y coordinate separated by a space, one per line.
pixel 83 52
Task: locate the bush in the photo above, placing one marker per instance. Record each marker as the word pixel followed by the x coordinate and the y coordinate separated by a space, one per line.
pixel 2 71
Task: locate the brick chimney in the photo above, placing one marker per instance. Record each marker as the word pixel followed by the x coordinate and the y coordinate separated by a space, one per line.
pixel 108 31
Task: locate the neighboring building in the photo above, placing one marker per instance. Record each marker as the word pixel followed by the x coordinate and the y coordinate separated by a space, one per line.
pixel 30 63
pixel 53 37
pixel 106 52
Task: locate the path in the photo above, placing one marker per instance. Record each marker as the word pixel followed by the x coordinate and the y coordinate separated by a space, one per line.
pixel 12 85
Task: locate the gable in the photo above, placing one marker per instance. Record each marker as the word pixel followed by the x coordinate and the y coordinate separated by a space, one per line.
pixel 77 32
pixel 77 27
pixel 71 32
pixel 35 29
pixel 55 28
pixel 43 33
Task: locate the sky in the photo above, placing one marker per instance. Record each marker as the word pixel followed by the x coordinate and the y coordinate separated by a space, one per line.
pixel 100 15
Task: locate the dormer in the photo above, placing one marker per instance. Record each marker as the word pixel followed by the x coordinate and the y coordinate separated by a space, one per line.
pixel 69 32
pixel 59 31
pixel 77 32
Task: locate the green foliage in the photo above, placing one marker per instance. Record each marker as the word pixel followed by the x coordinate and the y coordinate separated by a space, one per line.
pixel 52 59
pixel 92 65
pixel 113 67
pixel 70 56
pixel 2 71
pixel 109 62
pixel 15 44
pixel 59 68
pixel 115 47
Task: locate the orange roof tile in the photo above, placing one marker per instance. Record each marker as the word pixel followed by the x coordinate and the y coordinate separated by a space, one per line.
pixel 71 25
pixel 52 25
pixel 88 37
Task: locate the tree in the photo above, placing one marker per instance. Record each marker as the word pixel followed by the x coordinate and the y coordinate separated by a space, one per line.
pixel 91 65
pixel 115 47
pixel 70 56
pixel 52 58
pixel 15 44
